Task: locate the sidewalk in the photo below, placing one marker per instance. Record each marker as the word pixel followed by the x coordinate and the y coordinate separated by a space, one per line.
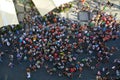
pixel 82 15
pixel 22 7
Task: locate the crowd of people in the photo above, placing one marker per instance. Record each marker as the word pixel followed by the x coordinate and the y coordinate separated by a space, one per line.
pixel 57 43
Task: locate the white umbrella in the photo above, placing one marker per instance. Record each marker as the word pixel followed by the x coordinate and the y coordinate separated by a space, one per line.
pixel 7 13
pixel 45 6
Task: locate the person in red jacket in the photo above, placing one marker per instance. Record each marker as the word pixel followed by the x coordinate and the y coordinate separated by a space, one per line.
pixel 83 1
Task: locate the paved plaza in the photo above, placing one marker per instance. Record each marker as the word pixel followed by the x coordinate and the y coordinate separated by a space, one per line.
pixel 18 72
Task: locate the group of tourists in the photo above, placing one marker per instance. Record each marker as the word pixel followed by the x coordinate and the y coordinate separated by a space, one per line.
pixel 58 44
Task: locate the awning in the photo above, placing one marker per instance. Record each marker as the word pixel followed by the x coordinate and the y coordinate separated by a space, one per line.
pixel 7 13
pixel 45 6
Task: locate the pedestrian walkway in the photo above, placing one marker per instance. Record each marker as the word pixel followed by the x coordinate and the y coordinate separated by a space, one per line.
pixel 22 7
pixel 94 5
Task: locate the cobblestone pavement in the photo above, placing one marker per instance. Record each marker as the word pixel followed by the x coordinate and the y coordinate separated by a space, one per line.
pixel 93 3
pixel 22 8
